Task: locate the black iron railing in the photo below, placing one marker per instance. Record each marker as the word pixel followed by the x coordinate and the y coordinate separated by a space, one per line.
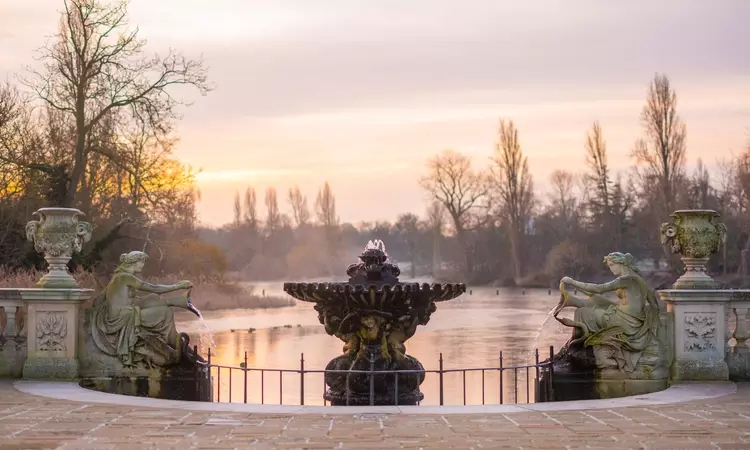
pixel 535 379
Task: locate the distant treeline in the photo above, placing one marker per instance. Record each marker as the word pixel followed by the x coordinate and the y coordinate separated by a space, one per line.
pixel 92 126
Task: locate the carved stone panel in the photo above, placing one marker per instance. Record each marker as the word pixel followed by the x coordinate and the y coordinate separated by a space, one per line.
pixel 51 331
pixel 700 331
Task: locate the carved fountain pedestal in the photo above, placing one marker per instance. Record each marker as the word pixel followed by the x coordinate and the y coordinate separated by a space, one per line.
pixel 374 314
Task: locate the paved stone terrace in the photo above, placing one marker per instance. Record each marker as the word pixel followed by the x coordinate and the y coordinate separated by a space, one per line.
pixel 32 422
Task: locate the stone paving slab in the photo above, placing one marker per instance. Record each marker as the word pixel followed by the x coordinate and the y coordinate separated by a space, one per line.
pixel 35 422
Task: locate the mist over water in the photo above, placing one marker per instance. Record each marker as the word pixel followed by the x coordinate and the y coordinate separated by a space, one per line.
pixel 470 332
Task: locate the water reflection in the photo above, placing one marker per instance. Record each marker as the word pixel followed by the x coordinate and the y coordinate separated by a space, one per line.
pixel 469 332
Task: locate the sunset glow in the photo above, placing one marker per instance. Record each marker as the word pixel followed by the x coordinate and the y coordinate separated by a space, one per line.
pixel 355 93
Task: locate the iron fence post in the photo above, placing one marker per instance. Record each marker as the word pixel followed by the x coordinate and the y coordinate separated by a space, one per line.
pixel 372 381
pixel 245 378
pixel 197 375
pixel 501 377
pixel 483 386
pixel 395 382
pixel 537 382
pixel 210 376
pixel 302 379
pixel 325 402
pixel 551 374
pixel 440 373
pixel 463 375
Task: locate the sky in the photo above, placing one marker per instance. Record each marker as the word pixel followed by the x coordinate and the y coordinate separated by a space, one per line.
pixel 362 93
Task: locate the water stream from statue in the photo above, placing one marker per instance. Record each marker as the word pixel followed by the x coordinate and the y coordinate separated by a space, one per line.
pixel 348 375
pixel 535 344
pixel 205 338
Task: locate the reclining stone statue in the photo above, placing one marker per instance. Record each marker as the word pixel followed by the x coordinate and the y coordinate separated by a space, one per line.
pixel 130 344
pixel 627 334
pixel 139 331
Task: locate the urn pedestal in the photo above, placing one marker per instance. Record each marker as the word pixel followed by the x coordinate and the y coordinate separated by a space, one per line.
pixel 52 324
pixel 699 328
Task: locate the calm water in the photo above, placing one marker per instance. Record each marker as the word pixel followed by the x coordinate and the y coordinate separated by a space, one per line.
pixel 470 331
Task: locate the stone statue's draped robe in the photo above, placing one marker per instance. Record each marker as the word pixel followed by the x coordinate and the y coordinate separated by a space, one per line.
pixel 134 334
pixel 620 337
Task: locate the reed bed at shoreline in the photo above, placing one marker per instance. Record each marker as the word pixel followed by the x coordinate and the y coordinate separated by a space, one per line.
pixel 207 295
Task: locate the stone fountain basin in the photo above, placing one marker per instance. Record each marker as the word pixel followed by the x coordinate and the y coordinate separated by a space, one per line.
pixel 383 297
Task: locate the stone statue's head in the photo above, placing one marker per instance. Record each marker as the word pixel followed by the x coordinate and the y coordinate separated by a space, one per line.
pixel 618 262
pixel 132 262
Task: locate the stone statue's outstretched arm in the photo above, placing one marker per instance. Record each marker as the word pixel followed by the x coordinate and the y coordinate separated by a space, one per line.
pixel 593 288
pixel 161 288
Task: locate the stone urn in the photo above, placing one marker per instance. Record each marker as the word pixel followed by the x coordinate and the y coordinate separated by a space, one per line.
pixel 58 234
pixel 695 235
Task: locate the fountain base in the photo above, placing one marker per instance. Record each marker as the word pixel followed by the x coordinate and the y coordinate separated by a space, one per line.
pixel 177 383
pixel 576 377
pixel 189 379
pixel 360 389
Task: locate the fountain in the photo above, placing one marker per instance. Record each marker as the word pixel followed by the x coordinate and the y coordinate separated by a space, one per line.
pixel 374 314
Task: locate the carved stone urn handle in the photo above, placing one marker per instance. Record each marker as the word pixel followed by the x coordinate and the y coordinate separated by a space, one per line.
pixel 669 236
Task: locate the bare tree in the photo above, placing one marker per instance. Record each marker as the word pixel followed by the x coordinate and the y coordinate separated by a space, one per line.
pixel 436 217
pixel 742 180
pixel 273 217
pixel 251 208
pixel 10 104
pixel 729 197
pixel 700 192
pixel 298 202
pixel 408 226
pixel 436 223
pixel 237 210
pixel 661 151
pixel 563 197
pixel 452 182
pixel 598 177
pixel 95 66
pixel 325 208
pixel 515 190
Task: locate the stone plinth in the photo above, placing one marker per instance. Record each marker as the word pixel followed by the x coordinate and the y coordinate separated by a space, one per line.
pixel 699 328
pixel 52 325
pixel 12 334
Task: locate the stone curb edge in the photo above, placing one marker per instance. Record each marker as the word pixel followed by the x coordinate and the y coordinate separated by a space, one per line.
pixel 678 393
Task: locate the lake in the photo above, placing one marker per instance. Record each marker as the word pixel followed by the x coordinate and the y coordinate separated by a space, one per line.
pixel 470 332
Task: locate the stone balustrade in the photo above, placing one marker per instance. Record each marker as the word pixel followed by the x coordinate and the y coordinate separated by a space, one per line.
pixel 737 332
pixel 13 349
